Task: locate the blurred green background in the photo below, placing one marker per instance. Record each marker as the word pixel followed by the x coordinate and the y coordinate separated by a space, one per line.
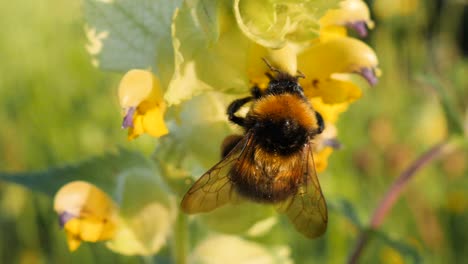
pixel 56 108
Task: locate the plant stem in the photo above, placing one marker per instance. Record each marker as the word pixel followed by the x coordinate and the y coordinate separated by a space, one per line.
pixel 393 194
pixel 180 241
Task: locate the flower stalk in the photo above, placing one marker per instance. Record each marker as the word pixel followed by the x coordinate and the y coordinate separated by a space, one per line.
pixel 180 240
pixel 394 193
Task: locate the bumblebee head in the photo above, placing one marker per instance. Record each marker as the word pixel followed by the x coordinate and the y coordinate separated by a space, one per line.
pixel 282 82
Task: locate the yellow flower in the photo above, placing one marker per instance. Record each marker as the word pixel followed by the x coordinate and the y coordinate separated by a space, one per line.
pixel 322 63
pixel 353 14
pixel 141 98
pixel 85 212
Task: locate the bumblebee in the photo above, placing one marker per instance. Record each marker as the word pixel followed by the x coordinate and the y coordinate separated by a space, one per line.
pixel 272 161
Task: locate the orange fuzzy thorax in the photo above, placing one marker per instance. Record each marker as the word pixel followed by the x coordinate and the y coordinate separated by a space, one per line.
pixel 285 106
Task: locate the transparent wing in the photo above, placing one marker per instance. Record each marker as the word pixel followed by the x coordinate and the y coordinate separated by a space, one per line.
pixel 214 188
pixel 307 209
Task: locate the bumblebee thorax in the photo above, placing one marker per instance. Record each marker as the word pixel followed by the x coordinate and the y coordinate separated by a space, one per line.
pixel 282 123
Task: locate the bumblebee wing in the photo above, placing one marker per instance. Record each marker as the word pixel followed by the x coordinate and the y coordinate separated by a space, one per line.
pixel 307 209
pixel 214 188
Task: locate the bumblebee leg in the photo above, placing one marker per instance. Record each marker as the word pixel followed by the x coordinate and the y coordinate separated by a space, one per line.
pixel 320 122
pixel 234 107
pixel 256 92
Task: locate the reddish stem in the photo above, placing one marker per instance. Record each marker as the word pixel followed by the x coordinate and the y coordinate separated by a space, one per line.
pixel 392 195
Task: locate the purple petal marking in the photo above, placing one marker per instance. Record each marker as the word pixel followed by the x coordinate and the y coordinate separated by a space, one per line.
pixel 128 118
pixel 332 142
pixel 65 217
pixel 370 76
pixel 360 27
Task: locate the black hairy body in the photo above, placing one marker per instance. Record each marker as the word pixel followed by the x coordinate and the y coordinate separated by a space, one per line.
pixel 272 161
pixel 282 123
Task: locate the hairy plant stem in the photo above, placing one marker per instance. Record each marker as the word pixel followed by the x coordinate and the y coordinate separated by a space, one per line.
pixel 180 239
pixel 392 196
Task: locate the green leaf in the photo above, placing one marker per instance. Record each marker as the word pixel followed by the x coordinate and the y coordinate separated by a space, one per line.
pixel 102 171
pixel 193 145
pixel 346 208
pixel 460 82
pixel 404 248
pixel 204 51
pixel 147 213
pixel 127 34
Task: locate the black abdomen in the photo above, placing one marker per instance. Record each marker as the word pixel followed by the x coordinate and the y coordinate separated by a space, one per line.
pixel 280 136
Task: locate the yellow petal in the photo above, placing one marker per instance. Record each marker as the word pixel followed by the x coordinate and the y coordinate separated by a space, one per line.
pixel 331 32
pixel 91 214
pixel 153 122
pixel 88 229
pixel 333 91
pixel 137 86
pixel 329 112
pixel 321 159
pixel 339 55
pixel 137 129
pixel 323 63
pixel 349 12
pixel 91 230
pixel 73 242
pixel 149 118
pixel 72 227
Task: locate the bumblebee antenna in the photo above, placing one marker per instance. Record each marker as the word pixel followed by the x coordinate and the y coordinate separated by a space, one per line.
pixel 278 71
pixel 300 75
pixel 270 67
